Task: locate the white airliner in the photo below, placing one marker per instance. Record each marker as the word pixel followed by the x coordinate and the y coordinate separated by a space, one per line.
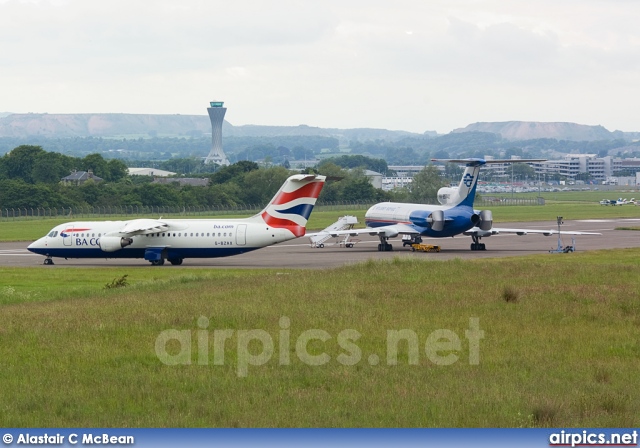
pixel 155 240
pixel 454 216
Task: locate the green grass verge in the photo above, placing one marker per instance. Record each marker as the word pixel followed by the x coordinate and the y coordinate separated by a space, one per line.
pixel 580 196
pixel 561 345
pixel 32 229
pixel 568 210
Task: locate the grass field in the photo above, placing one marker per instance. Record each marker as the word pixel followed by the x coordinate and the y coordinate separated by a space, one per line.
pixel 579 196
pixel 561 345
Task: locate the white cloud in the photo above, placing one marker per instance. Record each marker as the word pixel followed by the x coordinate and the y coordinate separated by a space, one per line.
pixel 411 65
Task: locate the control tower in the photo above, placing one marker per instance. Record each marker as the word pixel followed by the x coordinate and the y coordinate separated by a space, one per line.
pixel 216 114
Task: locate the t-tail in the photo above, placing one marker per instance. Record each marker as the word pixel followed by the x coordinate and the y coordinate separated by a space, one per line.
pixel 466 191
pixel 465 194
pixel 292 204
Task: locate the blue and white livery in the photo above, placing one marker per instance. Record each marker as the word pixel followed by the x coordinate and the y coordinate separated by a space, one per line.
pixel 454 216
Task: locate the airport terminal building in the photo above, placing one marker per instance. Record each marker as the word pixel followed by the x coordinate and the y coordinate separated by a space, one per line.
pixel 598 168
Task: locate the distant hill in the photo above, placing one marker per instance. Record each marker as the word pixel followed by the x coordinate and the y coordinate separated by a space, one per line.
pixel 359 134
pixel 151 125
pixel 530 130
pixel 141 125
pixel 101 125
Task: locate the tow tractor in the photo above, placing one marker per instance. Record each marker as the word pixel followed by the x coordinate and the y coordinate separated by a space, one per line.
pixel 410 240
pixel 425 248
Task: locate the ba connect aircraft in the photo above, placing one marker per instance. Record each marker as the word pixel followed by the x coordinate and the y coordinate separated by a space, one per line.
pixel 155 240
pixel 454 216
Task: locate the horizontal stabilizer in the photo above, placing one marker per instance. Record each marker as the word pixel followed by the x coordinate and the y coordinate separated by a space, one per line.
pixel 478 162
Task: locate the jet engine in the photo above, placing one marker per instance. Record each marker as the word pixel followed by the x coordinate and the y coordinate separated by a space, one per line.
pixel 436 220
pixel 114 243
pixel 483 220
pixel 424 218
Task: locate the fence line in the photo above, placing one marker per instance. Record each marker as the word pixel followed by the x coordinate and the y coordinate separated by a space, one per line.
pixel 73 213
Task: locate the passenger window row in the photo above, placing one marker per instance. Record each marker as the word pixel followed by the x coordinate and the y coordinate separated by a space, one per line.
pixel 198 234
pixel 77 235
pixel 54 233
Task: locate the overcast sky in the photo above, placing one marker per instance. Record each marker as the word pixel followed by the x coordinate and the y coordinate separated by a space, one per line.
pixel 412 65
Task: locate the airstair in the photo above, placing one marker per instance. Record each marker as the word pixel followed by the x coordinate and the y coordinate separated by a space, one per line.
pixel 319 239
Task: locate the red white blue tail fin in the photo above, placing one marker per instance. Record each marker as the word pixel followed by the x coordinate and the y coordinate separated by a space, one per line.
pixel 292 204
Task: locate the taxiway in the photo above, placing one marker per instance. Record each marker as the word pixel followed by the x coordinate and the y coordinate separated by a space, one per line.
pixel 298 253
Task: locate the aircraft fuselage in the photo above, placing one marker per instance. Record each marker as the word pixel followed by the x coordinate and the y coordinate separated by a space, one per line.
pixel 185 238
pixel 456 219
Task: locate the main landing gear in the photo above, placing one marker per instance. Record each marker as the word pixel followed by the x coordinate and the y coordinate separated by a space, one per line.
pixel 384 245
pixel 173 261
pixel 477 245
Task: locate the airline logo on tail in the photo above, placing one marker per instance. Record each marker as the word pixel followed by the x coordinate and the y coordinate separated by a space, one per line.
pixel 291 209
pixel 468 180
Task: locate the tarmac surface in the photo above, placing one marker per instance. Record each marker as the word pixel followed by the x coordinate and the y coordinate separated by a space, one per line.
pixel 299 254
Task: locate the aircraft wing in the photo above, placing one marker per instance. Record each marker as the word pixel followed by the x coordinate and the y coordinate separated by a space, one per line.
pixel 498 230
pixel 141 227
pixel 388 231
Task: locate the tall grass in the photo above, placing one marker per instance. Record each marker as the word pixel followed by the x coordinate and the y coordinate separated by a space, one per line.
pixel 565 353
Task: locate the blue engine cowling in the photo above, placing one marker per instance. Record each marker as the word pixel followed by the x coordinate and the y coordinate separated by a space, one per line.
pixel 433 220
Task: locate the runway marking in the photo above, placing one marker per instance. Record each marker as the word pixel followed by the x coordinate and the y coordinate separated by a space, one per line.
pixel 19 255
pixel 608 220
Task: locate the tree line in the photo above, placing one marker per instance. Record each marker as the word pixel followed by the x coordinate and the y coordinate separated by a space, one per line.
pixel 31 177
pixel 278 148
pixel 410 150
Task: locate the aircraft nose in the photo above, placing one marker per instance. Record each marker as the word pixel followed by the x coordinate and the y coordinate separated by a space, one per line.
pixel 38 244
